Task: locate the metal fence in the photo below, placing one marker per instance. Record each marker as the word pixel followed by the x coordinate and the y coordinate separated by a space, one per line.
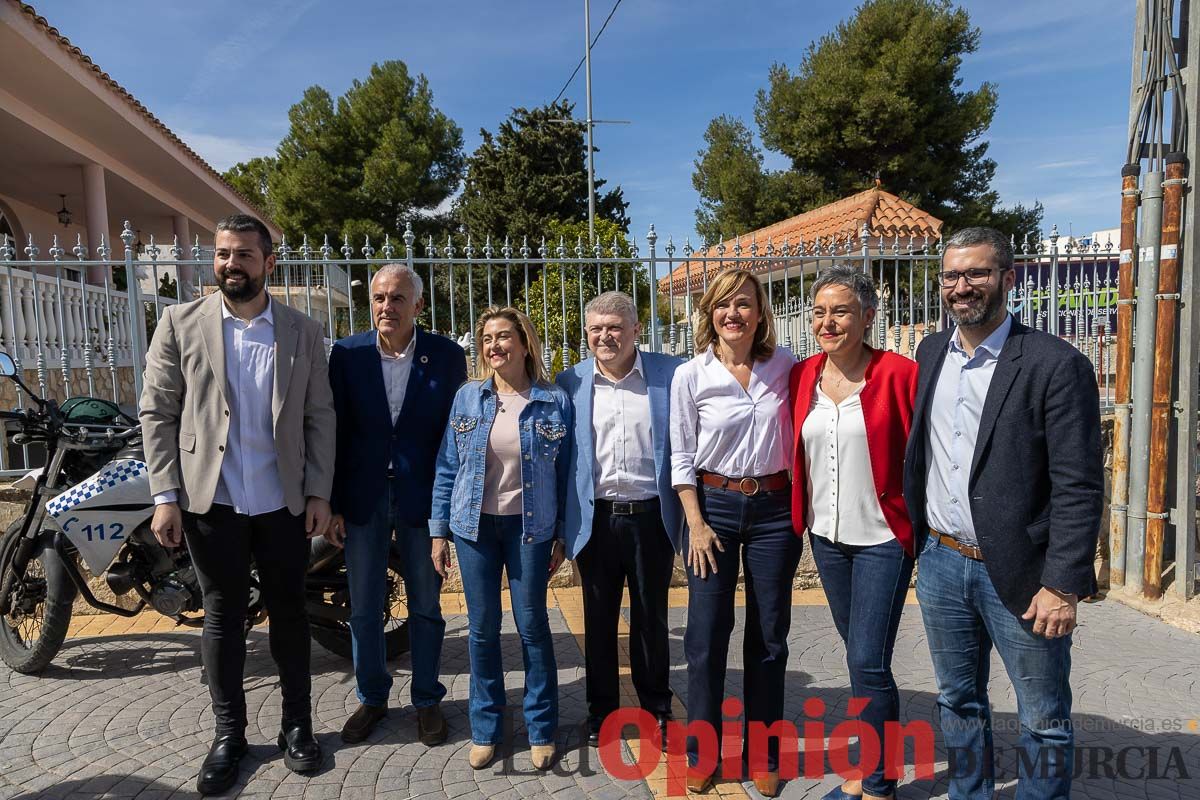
pixel 73 331
pixel 1070 291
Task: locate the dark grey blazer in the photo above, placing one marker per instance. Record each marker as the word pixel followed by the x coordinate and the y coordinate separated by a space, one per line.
pixel 1037 476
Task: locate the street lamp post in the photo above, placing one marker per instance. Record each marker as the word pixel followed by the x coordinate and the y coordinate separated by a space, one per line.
pixel 587 75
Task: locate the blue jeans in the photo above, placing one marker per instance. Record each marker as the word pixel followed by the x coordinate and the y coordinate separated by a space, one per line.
pixel 963 619
pixel 500 546
pixel 367 548
pixel 865 587
pixel 757 533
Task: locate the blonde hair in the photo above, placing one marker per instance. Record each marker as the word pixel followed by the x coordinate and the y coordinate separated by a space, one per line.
pixel 723 287
pixel 534 367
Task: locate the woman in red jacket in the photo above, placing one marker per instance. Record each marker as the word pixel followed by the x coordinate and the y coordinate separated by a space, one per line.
pixel 852 410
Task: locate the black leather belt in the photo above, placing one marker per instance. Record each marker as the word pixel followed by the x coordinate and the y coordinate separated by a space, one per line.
pixel 626 508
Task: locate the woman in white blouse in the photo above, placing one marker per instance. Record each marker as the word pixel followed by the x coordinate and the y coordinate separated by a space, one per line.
pixel 731 448
pixel 852 413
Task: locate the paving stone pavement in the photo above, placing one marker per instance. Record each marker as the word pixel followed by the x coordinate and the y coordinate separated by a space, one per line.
pixel 128 716
pixel 1129 671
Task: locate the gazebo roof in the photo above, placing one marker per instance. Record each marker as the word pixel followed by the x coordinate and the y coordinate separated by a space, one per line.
pixel 883 214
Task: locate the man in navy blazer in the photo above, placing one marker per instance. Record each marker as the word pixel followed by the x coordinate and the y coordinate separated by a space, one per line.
pixel 392 388
pixel 1004 483
pixel 623 520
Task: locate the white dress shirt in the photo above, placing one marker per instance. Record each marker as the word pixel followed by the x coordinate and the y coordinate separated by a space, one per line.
pixel 953 428
pixel 717 426
pixel 396 369
pixel 249 479
pixel 623 468
pixel 843 505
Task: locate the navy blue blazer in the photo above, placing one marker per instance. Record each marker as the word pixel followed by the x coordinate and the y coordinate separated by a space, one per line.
pixel 581 487
pixel 366 439
pixel 1037 474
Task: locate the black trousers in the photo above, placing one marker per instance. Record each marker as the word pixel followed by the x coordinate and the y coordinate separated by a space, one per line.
pixel 222 543
pixel 623 548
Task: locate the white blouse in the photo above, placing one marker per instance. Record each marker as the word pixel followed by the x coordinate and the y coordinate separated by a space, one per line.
pixel 717 426
pixel 842 503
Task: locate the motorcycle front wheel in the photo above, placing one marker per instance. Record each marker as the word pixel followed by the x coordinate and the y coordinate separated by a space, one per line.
pixel 335 636
pixel 33 631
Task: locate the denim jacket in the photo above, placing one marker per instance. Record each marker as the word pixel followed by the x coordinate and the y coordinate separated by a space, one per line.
pixel 458 482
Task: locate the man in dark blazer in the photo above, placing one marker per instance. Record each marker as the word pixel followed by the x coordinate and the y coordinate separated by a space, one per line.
pixel 1003 481
pixel 624 523
pixel 392 388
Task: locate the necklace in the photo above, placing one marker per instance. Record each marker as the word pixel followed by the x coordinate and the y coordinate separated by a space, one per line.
pixel 500 400
pixel 841 379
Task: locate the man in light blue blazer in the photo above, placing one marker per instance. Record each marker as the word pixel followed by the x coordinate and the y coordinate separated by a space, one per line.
pixel 624 523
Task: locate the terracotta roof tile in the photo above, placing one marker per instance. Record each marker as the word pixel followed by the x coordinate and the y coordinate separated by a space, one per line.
pixel 120 90
pixel 885 216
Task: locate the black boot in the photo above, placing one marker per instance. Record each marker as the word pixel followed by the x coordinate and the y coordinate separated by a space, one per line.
pixel 301 753
pixel 219 771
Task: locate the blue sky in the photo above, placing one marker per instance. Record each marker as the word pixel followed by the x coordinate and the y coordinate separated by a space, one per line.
pixel 222 74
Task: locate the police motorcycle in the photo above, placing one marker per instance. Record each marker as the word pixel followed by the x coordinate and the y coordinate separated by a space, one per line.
pixel 91 506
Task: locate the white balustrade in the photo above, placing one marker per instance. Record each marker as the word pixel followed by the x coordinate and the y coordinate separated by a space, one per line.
pixel 91 321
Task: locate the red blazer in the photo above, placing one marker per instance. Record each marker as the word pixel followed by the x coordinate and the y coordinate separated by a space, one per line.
pixel 887 401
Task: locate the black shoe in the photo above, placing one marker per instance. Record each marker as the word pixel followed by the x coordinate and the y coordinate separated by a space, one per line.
pixel 594 723
pixel 431 725
pixel 301 753
pixel 219 772
pixel 663 721
pixel 362 722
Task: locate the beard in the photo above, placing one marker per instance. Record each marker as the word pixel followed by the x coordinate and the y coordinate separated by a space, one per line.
pixel 240 293
pixel 986 308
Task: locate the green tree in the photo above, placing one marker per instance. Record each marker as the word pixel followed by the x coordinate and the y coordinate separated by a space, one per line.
pixel 568 281
pixel 532 171
pixel 736 194
pixel 381 154
pixel 252 179
pixel 879 97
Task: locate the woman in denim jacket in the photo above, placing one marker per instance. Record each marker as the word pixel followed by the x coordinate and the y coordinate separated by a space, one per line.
pixel 499 489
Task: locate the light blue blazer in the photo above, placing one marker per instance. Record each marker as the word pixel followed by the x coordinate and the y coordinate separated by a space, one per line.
pixel 581 487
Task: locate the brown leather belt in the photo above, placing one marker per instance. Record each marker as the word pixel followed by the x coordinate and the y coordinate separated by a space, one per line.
pixel 747 486
pixel 973 553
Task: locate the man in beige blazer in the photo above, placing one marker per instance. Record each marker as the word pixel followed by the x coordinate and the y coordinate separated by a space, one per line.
pixel 238 424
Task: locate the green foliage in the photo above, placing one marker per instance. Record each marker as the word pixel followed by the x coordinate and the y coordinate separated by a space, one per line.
pixel 560 280
pixel 531 172
pixel 252 180
pixel 736 195
pixel 167 287
pixel 879 97
pixel 379 155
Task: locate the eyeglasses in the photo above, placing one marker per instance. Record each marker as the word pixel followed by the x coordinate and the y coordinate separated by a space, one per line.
pixel 975 277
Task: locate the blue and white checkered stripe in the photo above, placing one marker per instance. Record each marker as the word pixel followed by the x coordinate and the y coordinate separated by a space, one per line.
pixel 112 475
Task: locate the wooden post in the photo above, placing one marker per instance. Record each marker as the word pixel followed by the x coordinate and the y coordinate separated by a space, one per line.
pixel 1164 371
pixel 1117 521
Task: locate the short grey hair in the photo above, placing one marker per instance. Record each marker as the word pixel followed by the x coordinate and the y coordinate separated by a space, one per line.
pixel 853 278
pixel 396 270
pixel 617 303
pixel 971 237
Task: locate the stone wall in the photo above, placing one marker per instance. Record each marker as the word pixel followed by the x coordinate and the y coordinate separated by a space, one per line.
pixel 102 383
